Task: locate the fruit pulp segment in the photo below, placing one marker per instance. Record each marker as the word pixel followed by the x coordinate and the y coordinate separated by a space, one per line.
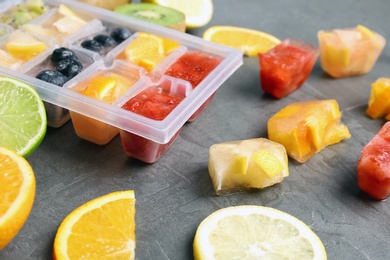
pixel 306 128
pixel 285 68
pixel 193 66
pixel 107 87
pixel 349 52
pixel 379 101
pixel 374 165
pixel 264 162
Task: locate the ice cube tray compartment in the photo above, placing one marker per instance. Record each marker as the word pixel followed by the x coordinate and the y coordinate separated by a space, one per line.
pixel 102 21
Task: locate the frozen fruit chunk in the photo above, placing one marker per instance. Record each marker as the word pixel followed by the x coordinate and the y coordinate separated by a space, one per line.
pixel 305 128
pixel 373 167
pixel 379 101
pixel 285 68
pixel 24 46
pixel 246 164
pixel 349 52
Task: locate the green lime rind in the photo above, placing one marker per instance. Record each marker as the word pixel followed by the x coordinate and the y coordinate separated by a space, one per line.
pixel 23 121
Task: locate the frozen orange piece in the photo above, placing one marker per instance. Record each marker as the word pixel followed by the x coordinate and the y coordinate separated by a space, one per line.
pixel 379 101
pixel 305 128
pixel 247 164
pixel 349 52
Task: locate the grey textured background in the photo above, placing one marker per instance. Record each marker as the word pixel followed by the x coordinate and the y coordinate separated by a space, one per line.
pixel 175 194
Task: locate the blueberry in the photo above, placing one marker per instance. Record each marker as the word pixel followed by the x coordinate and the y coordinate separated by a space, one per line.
pixel 105 40
pixel 120 34
pixel 69 67
pixel 92 45
pixel 62 54
pixel 53 77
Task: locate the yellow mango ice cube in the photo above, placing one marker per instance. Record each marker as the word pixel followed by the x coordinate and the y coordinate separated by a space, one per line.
pixel 379 101
pixel 349 52
pixel 305 128
pixel 247 164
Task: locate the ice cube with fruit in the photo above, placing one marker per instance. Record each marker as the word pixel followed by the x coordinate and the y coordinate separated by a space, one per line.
pixel 307 127
pixel 155 102
pixel 373 167
pixel 106 85
pixel 247 164
pixel 349 52
pixel 379 101
pixel 284 68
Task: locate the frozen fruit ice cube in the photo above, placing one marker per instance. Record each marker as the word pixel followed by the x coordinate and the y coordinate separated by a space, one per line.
pixel 246 164
pixel 374 165
pixel 307 127
pixel 285 68
pixel 349 52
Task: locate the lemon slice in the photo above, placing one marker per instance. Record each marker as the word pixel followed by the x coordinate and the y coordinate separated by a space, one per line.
pixel 17 192
pixel 24 46
pixel 198 13
pixel 250 42
pixel 255 232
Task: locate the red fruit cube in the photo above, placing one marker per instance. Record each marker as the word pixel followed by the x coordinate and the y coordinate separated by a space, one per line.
pixel 374 165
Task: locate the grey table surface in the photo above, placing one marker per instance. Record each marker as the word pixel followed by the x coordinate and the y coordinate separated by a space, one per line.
pixel 175 194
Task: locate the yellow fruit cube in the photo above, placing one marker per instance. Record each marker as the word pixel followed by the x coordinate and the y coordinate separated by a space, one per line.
pixel 247 164
pixel 309 129
pixel 379 101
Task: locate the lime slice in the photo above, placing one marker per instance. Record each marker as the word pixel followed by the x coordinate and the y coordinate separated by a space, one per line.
pixel 22 116
pixel 255 232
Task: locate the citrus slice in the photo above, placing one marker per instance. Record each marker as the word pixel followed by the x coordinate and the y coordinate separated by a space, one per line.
pixel 23 120
pixel 17 192
pixel 103 228
pixel 198 13
pixel 24 46
pixel 268 162
pixel 255 232
pixel 147 50
pixel 250 42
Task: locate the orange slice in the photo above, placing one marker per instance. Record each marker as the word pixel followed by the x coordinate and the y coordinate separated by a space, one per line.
pixel 250 42
pixel 17 192
pixel 103 228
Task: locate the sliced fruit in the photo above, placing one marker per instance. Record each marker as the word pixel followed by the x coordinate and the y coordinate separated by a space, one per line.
pixel 366 32
pixel 255 232
pixel 22 116
pixel 250 42
pixel 107 88
pixel 70 23
pixel 17 192
pixel 110 5
pixel 103 228
pixel 239 164
pixel 156 14
pixel 197 13
pixel 268 162
pixel 147 50
pixel 24 46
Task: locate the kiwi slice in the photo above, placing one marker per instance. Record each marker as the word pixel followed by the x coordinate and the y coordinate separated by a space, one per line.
pixel 156 14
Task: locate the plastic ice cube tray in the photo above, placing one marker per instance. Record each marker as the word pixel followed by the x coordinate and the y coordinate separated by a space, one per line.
pixel 102 21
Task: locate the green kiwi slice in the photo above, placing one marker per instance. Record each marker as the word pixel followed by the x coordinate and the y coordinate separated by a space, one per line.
pixel 156 14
